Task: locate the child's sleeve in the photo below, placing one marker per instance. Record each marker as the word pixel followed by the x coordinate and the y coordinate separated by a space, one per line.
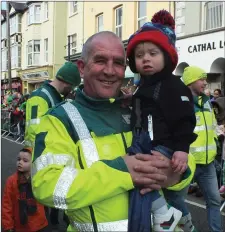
pixel 7 206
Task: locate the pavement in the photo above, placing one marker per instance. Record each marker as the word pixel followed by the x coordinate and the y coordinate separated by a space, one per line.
pixel 10 149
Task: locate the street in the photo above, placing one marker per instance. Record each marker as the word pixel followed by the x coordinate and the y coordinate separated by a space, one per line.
pixel 8 166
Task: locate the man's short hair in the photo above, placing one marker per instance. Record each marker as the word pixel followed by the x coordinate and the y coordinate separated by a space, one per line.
pixel 26 150
pixel 88 44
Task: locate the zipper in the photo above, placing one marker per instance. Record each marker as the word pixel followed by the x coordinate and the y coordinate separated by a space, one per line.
pixel 124 142
pixel 94 223
pixel 206 129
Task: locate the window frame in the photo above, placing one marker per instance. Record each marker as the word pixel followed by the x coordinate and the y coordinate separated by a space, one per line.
pixel 33 53
pixel 32 17
pixel 205 10
pixel 46 50
pixel 46 10
pixel 142 17
pixel 97 22
pixel 71 7
pixel 73 48
pixel 120 25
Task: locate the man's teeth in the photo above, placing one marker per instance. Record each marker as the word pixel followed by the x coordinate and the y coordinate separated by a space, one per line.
pixel 108 82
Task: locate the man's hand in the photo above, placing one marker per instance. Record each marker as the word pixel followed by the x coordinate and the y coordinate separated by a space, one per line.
pixel 179 161
pixel 145 172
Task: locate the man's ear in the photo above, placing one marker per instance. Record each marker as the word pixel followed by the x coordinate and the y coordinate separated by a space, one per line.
pixel 80 65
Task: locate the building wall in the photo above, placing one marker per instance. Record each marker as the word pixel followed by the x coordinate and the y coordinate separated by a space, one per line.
pixel 59 35
pixel 75 24
pixel 91 10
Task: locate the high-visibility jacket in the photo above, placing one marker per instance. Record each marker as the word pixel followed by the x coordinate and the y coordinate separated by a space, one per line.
pixel 204 147
pixel 77 163
pixel 39 102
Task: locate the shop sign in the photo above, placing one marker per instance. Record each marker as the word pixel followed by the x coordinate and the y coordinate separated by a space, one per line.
pixel 41 74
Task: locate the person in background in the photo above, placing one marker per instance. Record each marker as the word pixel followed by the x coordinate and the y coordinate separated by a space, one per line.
pixel 20 211
pixel 204 148
pixel 47 96
pixel 208 93
pixel 217 93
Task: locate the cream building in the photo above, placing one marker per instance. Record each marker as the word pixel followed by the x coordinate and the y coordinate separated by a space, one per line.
pixel 16 12
pixel 43 42
pixel 123 18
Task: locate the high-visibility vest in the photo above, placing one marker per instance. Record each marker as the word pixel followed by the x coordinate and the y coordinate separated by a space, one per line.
pixel 204 147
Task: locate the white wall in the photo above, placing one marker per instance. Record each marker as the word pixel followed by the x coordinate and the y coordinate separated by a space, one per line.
pixel 202 59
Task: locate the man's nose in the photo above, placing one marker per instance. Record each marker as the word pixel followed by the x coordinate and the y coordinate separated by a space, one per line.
pixel 147 57
pixel 109 69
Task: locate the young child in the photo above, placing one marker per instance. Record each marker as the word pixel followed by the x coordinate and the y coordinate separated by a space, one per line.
pixel 162 105
pixel 20 211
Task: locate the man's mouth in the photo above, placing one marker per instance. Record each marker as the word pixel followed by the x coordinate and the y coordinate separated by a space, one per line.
pixel 147 67
pixel 108 82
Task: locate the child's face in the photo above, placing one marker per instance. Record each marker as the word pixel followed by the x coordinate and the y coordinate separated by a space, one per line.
pixel 149 58
pixel 24 162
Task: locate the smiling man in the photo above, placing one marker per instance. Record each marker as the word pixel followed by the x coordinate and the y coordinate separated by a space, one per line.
pixel 80 159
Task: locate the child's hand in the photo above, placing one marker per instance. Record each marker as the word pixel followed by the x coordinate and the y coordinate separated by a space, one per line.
pixel 179 161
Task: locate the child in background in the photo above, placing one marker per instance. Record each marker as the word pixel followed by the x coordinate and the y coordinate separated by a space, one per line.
pixel 20 211
pixel 162 105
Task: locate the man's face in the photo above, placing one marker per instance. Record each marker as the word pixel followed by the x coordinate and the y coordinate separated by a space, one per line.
pixel 198 86
pixel 66 89
pixel 104 69
pixel 149 58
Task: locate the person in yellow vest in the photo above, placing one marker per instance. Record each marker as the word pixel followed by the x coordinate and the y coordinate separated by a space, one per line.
pixel 80 160
pixel 47 96
pixel 204 148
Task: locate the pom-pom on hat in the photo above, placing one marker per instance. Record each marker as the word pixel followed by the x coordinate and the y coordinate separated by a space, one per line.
pixel 159 31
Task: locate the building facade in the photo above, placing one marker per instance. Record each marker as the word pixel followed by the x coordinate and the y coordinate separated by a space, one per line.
pixel 123 18
pixel 16 12
pixel 200 28
pixel 43 42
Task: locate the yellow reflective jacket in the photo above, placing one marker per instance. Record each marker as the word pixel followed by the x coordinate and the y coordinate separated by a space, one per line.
pixel 77 164
pixel 204 147
pixel 40 101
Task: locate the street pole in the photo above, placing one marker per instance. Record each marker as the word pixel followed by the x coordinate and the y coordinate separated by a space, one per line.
pixel 9 45
pixel 68 47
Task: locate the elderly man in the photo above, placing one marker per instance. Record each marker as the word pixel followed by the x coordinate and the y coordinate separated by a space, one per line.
pixel 80 161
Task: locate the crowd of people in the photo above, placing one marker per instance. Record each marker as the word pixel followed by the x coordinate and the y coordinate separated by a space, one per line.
pixel 113 156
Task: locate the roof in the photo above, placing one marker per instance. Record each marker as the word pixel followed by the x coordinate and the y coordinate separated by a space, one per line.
pixel 19 7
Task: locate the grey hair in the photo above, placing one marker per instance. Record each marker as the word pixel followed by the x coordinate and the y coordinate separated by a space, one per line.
pixel 87 47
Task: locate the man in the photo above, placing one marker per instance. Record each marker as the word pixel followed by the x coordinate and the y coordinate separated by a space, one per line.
pixel 79 157
pixel 204 147
pixel 47 96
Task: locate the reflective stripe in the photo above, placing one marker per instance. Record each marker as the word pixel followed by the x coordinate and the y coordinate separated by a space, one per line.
pixel 104 226
pixel 62 187
pixel 34 121
pixel 87 143
pixel 28 143
pixel 44 161
pixel 201 149
pixel 66 178
pixel 45 91
pixel 202 128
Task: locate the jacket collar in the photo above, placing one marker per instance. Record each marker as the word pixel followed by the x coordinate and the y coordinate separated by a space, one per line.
pixel 97 103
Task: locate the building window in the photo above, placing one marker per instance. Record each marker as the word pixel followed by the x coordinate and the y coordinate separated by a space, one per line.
pixel 33 52
pixel 46 50
pixel 34 14
pixel 4 31
pixel 4 59
pixel 118 23
pixel 99 20
pixel 73 7
pixel 45 10
pixel 142 13
pixel 12 25
pixel 214 12
pixel 73 44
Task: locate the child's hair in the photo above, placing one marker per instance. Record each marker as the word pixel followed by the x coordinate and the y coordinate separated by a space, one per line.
pixel 26 149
